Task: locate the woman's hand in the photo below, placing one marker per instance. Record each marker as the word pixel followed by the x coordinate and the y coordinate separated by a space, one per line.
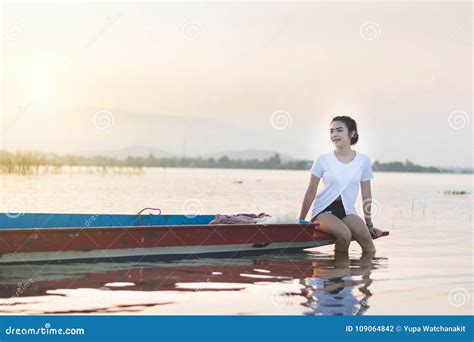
pixel 375 232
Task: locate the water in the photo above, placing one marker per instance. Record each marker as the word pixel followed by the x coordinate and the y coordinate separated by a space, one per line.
pixel 423 267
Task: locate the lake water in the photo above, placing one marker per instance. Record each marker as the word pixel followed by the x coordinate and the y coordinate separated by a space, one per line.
pixel 425 266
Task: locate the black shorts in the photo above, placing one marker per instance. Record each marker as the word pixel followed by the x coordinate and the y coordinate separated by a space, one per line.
pixel 336 208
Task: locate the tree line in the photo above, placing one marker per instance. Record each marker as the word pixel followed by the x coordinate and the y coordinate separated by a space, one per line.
pixel 31 162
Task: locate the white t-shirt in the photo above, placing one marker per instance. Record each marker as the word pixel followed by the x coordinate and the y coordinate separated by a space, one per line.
pixel 340 179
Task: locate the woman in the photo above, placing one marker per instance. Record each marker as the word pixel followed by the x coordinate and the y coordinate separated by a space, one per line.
pixel 342 170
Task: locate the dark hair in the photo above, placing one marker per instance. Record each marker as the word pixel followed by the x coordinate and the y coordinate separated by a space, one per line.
pixel 351 126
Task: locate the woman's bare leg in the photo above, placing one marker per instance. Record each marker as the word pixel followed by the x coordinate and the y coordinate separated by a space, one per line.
pixel 360 233
pixel 330 224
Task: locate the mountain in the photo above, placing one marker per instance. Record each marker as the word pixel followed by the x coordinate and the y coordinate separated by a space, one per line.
pixel 246 154
pixel 145 151
pixel 123 153
pixel 97 130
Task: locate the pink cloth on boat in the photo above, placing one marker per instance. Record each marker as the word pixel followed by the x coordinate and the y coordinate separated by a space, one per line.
pixel 238 219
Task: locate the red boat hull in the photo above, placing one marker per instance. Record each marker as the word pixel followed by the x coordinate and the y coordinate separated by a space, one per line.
pixel 144 242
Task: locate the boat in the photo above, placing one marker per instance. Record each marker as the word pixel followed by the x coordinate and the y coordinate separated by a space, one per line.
pixel 51 237
pixel 45 238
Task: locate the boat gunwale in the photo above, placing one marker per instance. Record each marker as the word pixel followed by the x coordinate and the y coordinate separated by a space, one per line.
pixel 155 227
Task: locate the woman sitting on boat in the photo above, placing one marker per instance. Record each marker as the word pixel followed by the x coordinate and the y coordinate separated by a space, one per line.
pixel 342 170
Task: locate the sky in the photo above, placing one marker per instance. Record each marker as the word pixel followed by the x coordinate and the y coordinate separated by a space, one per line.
pixel 202 77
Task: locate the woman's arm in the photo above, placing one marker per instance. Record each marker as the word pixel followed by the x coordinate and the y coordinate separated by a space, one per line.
pixel 366 191
pixel 309 196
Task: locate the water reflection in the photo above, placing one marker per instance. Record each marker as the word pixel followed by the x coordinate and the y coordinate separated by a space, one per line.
pixel 325 284
pixel 340 285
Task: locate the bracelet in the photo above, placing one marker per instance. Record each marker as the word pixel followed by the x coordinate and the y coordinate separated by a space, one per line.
pixel 370 225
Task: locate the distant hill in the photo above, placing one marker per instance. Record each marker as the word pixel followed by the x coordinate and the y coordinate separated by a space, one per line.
pixel 246 155
pixel 145 151
pixel 94 130
pixel 134 151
